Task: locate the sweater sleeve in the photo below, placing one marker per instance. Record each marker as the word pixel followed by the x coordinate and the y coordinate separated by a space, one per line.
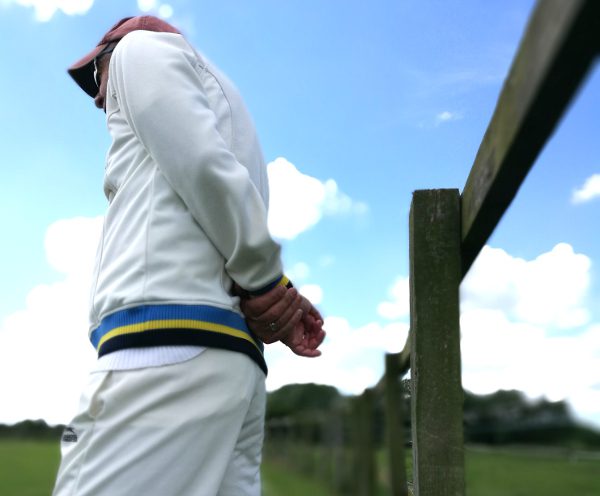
pixel 160 92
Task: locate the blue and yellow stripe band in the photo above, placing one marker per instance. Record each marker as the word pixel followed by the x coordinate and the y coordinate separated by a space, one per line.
pixel 166 325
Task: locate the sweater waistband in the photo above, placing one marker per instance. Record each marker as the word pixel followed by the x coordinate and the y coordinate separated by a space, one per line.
pixel 164 325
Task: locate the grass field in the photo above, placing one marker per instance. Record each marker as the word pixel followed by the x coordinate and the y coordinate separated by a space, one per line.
pixel 277 481
pixel 27 468
pixel 520 472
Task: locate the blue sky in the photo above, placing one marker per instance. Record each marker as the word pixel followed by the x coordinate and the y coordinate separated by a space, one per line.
pixel 357 105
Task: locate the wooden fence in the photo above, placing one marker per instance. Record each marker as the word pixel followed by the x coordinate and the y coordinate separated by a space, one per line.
pixel 447 231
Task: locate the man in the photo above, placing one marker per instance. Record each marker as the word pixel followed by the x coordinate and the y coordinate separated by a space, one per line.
pixel 176 403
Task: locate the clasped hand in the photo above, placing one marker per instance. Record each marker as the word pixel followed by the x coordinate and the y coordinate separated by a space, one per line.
pixel 283 314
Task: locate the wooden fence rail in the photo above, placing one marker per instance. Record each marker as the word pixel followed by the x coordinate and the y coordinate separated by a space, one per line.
pixel 558 48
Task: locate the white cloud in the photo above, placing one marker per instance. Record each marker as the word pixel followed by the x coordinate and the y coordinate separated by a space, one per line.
pixel 298 272
pixel 548 291
pixel 46 376
pixel 589 190
pixel 338 203
pixel 517 325
pixel 146 5
pixel 352 359
pixel 299 201
pixel 52 330
pixel 512 313
pixel 44 350
pixel 447 116
pixel 313 292
pixel 500 354
pixel 326 261
pixel 163 10
pixel 525 326
pixel 45 9
pixel 399 307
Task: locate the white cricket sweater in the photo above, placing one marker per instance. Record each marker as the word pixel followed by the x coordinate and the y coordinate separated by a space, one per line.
pixel 187 189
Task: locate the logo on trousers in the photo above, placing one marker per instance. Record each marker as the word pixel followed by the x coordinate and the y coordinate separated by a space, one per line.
pixel 69 435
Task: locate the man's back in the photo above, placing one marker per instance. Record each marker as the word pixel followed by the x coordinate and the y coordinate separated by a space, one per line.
pixel 187 186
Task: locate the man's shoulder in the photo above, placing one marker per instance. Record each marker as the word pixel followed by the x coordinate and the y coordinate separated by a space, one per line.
pixel 150 43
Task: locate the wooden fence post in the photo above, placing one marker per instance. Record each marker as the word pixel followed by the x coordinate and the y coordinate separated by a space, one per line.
pixel 364 448
pixel 394 416
pixel 338 448
pixel 437 395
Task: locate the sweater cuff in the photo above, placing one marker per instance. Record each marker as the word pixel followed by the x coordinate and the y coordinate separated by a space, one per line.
pixel 281 281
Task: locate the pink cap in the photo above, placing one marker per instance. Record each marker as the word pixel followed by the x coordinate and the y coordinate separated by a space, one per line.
pixel 82 71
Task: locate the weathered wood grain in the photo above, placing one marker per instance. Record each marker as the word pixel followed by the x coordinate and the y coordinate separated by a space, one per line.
pixel 364 450
pixel 394 419
pixel 558 48
pixel 436 390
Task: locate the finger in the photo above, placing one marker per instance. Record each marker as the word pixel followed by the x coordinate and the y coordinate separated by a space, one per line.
pixel 289 312
pixel 257 305
pixel 306 346
pixel 315 334
pixel 312 325
pixel 289 302
pixel 315 313
pixel 306 305
pixel 289 331
pixel 267 336
pixel 259 330
pixel 316 341
pixel 302 350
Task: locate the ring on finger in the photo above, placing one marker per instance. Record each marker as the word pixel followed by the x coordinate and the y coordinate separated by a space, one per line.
pixel 273 326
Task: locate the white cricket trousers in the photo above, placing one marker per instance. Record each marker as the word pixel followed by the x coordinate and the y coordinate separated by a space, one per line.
pixel 193 428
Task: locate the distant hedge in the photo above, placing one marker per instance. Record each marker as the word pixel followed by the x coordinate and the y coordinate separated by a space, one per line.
pixel 31 429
